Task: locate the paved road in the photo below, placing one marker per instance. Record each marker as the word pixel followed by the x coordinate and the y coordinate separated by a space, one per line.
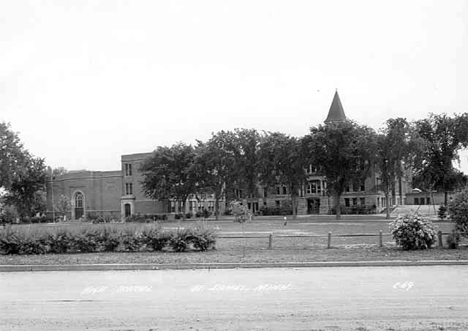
pixel 361 298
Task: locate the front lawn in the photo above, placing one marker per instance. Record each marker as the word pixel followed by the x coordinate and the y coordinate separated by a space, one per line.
pixel 292 242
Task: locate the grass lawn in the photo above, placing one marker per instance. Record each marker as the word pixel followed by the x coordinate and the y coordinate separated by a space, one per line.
pixel 298 248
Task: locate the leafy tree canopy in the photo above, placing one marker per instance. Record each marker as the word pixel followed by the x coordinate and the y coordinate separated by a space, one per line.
pixel 344 153
pixel 442 137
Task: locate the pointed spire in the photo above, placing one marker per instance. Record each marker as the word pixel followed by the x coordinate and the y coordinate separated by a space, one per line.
pixel 336 112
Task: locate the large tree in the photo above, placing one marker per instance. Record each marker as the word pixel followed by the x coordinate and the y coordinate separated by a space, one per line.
pixel 394 149
pixel 281 163
pixel 443 137
pixel 344 152
pixel 245 149
pixel 27 190
pixel 12 155
pixel 215 165
pixel 169 173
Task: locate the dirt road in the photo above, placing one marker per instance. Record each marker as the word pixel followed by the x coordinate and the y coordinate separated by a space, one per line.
pixel 379 298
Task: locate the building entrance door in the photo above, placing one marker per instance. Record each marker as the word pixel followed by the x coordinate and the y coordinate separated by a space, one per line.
pixel 128 210
pixel 79 205
pixel 313 206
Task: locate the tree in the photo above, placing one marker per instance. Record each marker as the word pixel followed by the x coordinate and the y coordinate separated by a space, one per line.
pixel 169 173
pixel 63 205
pixel 12 155
pixel 214 164
pixel 344 153
pixel 443 137
pixel 394 148
pixel 281 163
pixel 27 190
pixel 56 171
pixel 245 151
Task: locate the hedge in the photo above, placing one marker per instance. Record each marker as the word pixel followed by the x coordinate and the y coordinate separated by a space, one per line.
pixel 105 238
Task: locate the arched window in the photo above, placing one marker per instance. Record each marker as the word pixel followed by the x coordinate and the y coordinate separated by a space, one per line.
pixel 79 205
pixel 79 200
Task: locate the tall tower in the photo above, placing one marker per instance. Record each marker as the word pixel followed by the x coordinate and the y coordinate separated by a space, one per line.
pixel 336 112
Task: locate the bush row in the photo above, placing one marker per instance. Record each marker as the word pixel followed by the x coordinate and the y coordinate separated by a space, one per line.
pixel 105 238
pixel 355 210
pixel 281 210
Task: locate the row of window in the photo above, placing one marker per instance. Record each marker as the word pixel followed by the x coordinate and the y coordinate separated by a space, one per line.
pixel 356 187
pixel 354 201
pixel 194 206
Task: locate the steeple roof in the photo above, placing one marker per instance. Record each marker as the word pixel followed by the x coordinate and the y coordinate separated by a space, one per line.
pixel 336 112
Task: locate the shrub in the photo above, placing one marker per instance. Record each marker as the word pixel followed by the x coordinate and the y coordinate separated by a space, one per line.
pixel 84 240
pixel 131 239
pixel 8 215
pixel 180 240
pixel 21 241
pixel 442 212
pixel 57 241
pixel 413 232
pixel 453 240
pixel 108 238
pixel 155 238
pixel 203 237
pixel 458 212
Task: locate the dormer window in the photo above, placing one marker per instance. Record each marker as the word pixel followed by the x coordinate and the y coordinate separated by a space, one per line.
pixel 311 169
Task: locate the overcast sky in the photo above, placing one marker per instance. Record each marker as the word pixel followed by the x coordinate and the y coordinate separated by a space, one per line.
pixel 84 82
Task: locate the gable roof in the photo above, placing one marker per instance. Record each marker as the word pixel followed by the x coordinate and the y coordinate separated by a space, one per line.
pixel 336 112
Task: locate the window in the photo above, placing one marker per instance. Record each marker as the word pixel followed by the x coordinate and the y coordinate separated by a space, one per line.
pixel 128 169
pixel 172 207
pixel 416 201
pixel 211 206
pixel 355 187
pixel 363 201
pixel 354 201
pixel 311 169
pixel 78 200
pixel 428 201
pixel 285 190
pixel 346 202
pixel 278 203
pixel 363 186
pixel 265 192
pixel 200 206
pixel 347 188
pixel 314 187
pixel 301 192
pixel 128 188
pixel 277 190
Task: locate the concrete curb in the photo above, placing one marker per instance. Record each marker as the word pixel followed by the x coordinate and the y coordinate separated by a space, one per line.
pixel 129 267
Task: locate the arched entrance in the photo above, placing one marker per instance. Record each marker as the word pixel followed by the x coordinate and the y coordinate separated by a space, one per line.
pixel 79 205
pixel 128 209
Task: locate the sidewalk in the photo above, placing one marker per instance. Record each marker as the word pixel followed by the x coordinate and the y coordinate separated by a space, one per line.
pixel 116 267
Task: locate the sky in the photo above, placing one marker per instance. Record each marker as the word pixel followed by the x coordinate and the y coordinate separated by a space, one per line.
pixel 84 82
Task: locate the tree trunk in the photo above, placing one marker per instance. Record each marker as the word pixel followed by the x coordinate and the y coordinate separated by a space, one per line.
pixel 387 200
pixel 338 206
pixel 184 204
pixel 294 206
pixel 445 198
pixel 216 206
pixel 400 181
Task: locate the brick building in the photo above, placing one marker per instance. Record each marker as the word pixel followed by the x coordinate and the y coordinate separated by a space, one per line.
pixel 119 193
